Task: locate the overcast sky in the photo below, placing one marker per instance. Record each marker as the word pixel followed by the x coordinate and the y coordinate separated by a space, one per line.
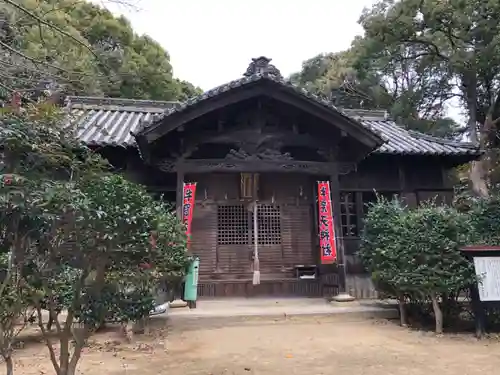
pixel 212 41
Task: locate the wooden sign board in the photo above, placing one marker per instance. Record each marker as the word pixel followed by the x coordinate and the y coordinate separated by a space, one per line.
pixel 488 271
pixel 486 294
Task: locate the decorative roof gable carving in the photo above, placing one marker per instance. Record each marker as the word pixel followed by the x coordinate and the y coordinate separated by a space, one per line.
pixel 261 65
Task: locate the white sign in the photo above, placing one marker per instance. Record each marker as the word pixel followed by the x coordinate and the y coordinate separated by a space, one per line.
pixel 488 271
pixel 195 275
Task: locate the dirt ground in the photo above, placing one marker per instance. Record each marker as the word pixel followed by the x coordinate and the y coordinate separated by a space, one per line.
pixel 307 345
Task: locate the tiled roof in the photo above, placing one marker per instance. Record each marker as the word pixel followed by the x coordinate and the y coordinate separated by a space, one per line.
pixel 407 142
pixel 105 121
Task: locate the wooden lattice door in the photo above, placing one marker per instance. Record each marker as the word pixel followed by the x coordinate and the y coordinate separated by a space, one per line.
pixel 236 238
pixel 269 238
pixel 268 224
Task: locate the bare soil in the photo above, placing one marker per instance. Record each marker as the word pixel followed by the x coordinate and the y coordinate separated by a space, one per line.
pixel 307 345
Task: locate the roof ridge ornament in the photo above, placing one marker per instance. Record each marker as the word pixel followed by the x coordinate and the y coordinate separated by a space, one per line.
pixel 260 66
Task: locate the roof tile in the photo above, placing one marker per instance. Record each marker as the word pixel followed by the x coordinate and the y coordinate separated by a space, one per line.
pixel 105 121
pixel 113 122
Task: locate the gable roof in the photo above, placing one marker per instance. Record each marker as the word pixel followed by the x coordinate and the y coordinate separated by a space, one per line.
pixel 260 79
pixel 112 122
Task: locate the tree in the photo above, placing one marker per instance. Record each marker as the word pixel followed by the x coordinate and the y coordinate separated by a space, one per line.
pixel 484 217
pixel 380 251
pixel 375 75
pixel 460 40
pixel 98 232
pixel 415 253
pixel 336 76
pixel 76 236
pixel 77 47
pixel 33 154
pixel 14 308
pixel 22 139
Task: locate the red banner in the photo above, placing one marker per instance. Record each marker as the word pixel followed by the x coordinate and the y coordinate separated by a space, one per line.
pixel 188 194
pixel 326 225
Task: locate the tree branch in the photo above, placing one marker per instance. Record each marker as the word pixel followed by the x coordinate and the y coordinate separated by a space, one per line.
pixel 47 340
pixel 429 44
pixel 45 73
pixel 12 90
pixel 64 7
pixel 36 61
pixel 52 26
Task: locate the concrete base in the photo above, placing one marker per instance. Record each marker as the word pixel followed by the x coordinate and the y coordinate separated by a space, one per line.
pixel 343 297
pixel 178 303
pixel 226 310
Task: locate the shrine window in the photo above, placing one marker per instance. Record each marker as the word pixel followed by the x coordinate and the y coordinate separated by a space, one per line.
pixel 268 224
pixel 232 225
pixel 354 206
pixel 235 225
pixel 348 214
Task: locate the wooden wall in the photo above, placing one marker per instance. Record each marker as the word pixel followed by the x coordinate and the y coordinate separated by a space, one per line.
pixel 413 179
pixel 290 194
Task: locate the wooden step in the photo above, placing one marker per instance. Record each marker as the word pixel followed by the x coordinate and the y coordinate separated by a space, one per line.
pixel 284 287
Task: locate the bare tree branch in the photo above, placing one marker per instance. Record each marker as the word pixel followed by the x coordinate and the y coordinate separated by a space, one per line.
pixel 31 69
pixel 64 7
pixel 12 90
pixel 434 48
pixel 52 26
pixel 39 62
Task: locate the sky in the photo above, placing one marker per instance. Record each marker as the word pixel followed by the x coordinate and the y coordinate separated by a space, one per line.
pixel 211 42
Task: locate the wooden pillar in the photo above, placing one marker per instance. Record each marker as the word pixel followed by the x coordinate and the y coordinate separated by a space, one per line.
pixel 335 196
pixel 315 224
pixel 178 195
pixel 408 196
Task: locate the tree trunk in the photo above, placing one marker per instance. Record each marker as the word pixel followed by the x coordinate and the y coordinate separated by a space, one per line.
pixel 71 369
pixel 70 366
pixel 477 176
pixel 10 365
pixel 403 317
pixel 438 314
pixel 478 169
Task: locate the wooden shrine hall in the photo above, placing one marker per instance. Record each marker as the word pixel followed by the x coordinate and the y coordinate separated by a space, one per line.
pixel 259 144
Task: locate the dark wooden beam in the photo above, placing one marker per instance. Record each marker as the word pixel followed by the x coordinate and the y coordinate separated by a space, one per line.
pixel 344 123
pixel 287 138
pixel 179 193
pixel 221 165
pixel 220 101
pixel 284 166
pixel 402 176
pixel 341 262
pixel 240 135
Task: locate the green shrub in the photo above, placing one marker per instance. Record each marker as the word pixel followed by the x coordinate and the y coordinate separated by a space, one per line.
pixel 413 254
